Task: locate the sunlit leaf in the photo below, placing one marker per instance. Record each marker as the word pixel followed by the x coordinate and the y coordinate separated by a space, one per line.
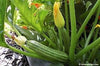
pixel 88 4
pixel 27 13
pixel 2 17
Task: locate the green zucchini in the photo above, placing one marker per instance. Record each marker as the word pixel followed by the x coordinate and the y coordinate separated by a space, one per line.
pixel 47 52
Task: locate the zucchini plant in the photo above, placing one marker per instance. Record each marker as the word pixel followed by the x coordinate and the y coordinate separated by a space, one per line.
pixel 58 31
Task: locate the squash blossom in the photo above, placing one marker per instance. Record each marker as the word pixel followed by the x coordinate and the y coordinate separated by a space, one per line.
pixel 37 5
pixel 97 26
pixel 20 40
pixel 58 18
pixel 24 27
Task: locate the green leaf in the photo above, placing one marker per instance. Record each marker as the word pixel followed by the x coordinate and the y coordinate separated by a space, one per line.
pixel 10 12
pixel 88 4
pixel 53 35
pixel 27 13
pixel 27 33
pixel 2 17
pixel 42 14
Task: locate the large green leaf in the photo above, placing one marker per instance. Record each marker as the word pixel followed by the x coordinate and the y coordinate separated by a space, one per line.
pixel 42 15
pixel 10 12
pixel 2 17
pixel 27 13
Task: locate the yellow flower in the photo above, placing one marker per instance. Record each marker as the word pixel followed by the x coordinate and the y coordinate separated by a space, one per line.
pixel 97 26
pixel 58 18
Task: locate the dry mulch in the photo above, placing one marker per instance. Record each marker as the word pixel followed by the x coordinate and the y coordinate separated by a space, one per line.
pixel 10 58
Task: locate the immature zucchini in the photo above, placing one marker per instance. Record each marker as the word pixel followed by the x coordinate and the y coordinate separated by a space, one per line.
pixel 47 52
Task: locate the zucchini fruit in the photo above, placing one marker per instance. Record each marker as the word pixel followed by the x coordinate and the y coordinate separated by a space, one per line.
pixel 47 52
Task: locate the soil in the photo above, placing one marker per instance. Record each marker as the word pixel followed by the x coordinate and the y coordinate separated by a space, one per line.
pixel 10 58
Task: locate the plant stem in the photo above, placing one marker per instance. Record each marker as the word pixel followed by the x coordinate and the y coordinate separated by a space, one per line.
pixel 85 36
pixel 67 23
pixel 49 40
pixel 60 37
pixel 58 0
pixel 87 19
pixel 7 34
pixel 3 9
pixel 92 30
pixel 92 55
pixel 66 15
pixel 96 33
pixel 28 49
pixel 13 27
pixel 88 48
pixel 73 30
pixel 66 40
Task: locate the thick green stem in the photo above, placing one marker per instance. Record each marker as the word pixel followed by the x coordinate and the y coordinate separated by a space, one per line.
pixel 3 6
pixel 73 30
pixel 67 21
pixel 7 34
pixel 66 15
pixel 92 30
pixel 88 48
pixel 27 49
pixel 60 37
pixel 49 40
pixel 58 0
pixel 85 35
pixel 96 33
pixel 87 19
pixel 13 27
pixel 92 55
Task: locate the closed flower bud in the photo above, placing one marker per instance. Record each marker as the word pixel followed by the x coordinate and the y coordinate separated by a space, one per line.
pixel 20 40
pixel 58 18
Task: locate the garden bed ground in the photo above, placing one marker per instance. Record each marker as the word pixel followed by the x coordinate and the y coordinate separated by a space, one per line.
pixel 10 58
